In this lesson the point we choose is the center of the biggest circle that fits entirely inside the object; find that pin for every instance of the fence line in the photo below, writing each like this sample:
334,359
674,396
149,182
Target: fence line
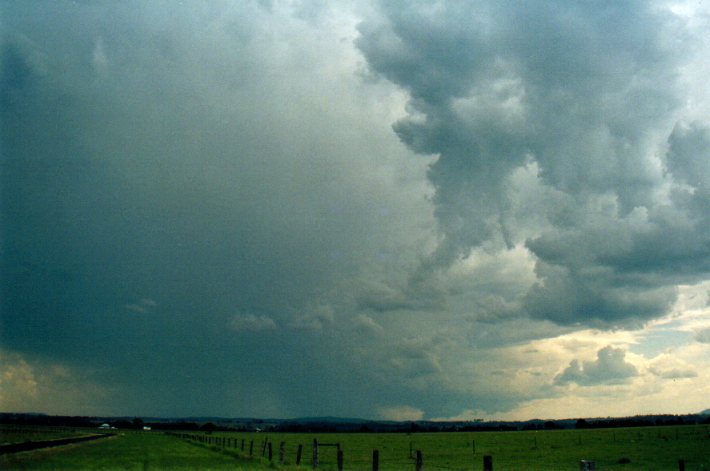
486,461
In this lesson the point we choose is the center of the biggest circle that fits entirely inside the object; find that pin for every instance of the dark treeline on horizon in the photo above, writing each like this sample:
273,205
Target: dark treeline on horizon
346,426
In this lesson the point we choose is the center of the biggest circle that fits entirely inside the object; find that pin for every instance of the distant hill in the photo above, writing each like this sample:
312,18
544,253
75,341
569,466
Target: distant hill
327,419
705,412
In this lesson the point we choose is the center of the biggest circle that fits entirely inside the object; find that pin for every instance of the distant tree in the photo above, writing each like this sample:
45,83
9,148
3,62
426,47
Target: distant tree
209,427
137,423
581,423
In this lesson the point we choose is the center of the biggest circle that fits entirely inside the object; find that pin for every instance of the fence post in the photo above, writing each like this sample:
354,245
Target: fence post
251,447
375,460
419,463
487,463
298,455
585,465
282,452
271,453
315,453
681,465
242,444
340,459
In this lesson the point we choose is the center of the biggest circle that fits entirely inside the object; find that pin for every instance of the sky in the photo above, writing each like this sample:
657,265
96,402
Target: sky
391,210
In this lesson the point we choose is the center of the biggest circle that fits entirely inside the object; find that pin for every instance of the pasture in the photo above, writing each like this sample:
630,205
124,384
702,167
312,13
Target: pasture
648,449
20,433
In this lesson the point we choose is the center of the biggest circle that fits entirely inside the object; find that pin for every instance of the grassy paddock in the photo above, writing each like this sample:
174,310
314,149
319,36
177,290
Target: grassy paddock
647,449
130,451
20,434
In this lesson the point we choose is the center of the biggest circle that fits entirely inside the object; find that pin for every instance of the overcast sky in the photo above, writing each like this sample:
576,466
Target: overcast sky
397,210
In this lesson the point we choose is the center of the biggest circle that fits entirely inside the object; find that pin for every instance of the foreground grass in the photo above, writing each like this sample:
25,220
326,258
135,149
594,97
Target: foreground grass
647,449
19,434
130,451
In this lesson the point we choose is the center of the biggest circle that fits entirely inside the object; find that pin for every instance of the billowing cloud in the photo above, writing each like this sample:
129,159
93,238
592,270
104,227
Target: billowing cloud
315,320
368,325
609,367
39,384
18,382
143,306
674,372
588,97
251,323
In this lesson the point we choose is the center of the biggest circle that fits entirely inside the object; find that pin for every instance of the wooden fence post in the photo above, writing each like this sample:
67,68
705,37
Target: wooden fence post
298,455
271,453
419,466
487,463
282,452
340,459
251,447
681,465
586,465
263,448
375,460
315,453
242,444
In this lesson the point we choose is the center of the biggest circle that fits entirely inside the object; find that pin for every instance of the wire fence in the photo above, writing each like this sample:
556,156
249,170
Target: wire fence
364,453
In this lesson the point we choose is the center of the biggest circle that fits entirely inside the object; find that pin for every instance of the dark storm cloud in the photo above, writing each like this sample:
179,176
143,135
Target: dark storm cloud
178,190
205,209
585,96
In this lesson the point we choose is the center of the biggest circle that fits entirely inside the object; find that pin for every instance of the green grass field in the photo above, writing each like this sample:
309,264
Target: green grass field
655,448
129,451
648,449
18,434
